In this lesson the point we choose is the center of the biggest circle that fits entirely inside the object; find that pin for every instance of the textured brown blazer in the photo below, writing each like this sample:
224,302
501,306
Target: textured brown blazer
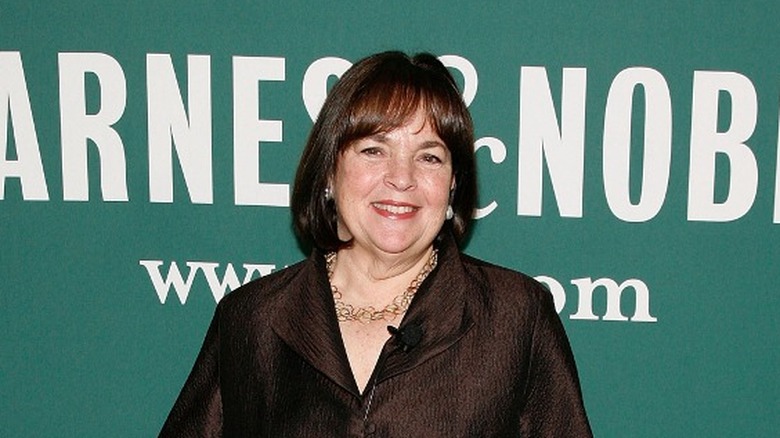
493,361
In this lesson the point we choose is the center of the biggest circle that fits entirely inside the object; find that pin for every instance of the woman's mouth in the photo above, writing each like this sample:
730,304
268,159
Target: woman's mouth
394,209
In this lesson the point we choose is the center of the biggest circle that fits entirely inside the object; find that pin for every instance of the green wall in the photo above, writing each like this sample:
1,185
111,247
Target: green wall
87,347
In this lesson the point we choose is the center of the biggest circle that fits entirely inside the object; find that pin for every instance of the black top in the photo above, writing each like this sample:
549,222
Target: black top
492,360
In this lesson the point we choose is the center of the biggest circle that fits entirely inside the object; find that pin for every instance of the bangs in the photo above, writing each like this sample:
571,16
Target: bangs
394,98
379,94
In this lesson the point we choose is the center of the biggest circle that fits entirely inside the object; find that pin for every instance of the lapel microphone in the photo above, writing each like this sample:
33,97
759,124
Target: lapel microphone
408,337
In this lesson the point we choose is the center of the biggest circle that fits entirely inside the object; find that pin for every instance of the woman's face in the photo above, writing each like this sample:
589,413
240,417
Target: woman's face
392,189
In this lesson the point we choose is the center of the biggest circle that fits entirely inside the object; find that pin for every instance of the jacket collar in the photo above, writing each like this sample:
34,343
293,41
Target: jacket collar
440,308
306,321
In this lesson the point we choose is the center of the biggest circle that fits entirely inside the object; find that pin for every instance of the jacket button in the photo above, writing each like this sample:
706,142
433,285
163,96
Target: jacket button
370,429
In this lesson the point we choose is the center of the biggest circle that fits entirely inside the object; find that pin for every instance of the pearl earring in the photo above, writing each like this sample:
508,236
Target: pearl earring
328,193
450,213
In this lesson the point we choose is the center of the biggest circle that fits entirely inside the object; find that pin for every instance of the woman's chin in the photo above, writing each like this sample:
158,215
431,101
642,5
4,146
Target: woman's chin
401,246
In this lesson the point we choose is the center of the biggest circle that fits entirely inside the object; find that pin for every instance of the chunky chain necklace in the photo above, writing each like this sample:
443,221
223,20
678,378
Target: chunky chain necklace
348,312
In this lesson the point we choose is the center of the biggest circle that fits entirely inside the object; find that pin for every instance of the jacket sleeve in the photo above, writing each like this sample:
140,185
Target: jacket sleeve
198,409
554,406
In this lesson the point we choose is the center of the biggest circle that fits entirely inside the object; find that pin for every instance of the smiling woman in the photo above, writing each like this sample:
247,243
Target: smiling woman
392,189
384,193
391,192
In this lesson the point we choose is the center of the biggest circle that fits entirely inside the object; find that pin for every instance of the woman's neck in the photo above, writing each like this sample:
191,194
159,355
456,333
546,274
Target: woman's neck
366,279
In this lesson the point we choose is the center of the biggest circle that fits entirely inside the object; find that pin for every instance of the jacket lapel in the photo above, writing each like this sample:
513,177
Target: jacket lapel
440,308
306,322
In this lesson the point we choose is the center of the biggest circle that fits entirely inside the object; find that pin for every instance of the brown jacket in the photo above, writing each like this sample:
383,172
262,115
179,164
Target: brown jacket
493,361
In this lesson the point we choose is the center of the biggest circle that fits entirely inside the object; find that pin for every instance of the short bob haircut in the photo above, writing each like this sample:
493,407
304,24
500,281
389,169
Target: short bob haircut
380,93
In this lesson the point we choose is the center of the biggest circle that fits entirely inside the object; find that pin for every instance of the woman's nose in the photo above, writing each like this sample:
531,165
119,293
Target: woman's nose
400,175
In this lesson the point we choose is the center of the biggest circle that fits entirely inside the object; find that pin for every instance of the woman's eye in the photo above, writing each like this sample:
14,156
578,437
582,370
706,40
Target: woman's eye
432,159
371,151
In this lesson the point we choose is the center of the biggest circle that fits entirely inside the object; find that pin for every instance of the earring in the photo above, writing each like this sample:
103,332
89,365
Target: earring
450,212
328,193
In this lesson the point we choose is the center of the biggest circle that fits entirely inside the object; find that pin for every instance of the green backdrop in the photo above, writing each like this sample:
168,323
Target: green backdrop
647,100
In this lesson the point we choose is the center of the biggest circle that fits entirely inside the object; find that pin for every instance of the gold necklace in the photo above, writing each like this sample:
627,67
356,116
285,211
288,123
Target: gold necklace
348,312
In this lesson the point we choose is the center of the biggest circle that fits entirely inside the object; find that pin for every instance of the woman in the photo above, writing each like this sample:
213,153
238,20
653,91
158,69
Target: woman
387,329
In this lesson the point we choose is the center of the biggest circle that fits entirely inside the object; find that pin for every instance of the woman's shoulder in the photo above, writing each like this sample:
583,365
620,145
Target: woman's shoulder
263,291
495,273
503,284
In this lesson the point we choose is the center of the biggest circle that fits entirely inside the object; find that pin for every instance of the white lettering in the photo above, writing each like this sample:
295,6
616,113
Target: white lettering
497,151
707,143
218,286
261,270
556,289
249,129
540,137
78,127
776,216
15,100
229,281
168,124
315,82
174,278
469,73
657,144
585,287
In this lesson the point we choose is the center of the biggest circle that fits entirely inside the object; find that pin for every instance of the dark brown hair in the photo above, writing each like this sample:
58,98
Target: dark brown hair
380,93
